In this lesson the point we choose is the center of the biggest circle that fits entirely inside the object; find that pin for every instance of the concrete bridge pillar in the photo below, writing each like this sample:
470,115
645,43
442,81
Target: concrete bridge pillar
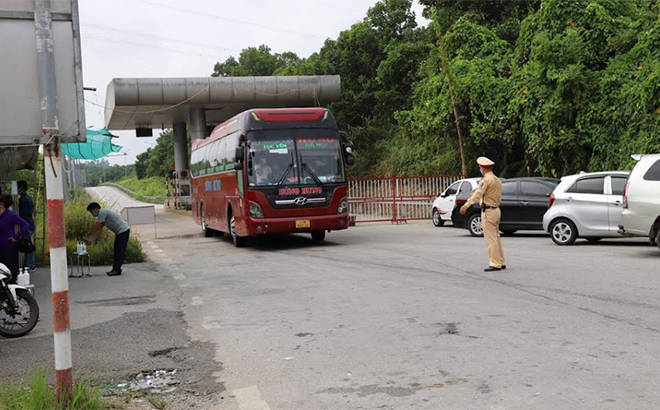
180,147
197,124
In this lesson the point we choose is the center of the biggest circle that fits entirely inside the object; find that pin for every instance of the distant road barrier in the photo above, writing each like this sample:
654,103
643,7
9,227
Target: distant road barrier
395,199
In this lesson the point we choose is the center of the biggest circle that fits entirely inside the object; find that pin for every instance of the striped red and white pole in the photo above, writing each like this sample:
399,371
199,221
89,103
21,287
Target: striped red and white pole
58,270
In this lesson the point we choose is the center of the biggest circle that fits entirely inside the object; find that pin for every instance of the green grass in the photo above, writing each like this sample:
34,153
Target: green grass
78,224
152,186
38,394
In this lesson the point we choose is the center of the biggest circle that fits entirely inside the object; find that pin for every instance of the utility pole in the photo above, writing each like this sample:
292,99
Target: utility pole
55,195
445,67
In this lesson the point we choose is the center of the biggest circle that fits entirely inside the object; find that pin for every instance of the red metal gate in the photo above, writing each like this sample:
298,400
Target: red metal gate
396,199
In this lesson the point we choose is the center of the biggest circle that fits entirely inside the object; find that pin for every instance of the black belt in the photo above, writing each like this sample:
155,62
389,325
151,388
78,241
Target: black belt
489,207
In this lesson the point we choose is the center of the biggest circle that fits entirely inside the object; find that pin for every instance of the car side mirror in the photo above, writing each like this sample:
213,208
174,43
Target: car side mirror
548,194
239,155
443,195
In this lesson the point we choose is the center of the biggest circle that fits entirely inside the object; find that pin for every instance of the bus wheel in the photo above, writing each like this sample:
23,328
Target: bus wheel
205,229
239,241
318,235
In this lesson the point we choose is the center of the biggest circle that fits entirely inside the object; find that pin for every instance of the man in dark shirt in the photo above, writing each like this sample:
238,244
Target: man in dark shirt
26,211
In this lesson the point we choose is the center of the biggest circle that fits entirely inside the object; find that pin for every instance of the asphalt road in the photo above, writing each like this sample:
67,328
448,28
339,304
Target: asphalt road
393,317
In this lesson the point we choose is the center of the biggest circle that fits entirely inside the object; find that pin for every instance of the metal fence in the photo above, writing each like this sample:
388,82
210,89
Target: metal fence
396,199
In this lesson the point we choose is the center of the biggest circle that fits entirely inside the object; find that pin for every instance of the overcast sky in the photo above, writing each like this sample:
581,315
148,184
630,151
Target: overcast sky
128,38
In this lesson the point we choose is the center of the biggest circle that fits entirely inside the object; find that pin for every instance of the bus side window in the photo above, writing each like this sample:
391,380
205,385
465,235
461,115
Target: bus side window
193,163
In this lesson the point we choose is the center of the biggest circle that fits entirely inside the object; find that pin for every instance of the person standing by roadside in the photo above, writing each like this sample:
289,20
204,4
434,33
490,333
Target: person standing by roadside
489,195
115,223
26,211
8,236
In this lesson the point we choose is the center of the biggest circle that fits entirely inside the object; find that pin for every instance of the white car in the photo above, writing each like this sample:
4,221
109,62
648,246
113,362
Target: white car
444,204
641,200
586,206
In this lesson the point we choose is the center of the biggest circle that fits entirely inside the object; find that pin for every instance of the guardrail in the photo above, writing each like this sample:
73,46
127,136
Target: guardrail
395,199
135,194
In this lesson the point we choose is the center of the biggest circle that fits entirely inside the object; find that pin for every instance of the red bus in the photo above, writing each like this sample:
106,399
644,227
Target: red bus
269,171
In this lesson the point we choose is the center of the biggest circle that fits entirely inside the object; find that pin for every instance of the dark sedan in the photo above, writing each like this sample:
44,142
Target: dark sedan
524,202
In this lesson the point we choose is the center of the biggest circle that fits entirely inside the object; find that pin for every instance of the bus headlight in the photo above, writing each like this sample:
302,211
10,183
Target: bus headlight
343,207
256,211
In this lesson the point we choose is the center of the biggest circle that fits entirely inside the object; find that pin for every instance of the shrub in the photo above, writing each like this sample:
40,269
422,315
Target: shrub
79,222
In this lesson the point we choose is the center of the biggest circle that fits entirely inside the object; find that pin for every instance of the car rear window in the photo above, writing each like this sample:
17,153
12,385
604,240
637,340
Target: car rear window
528,188
618,183
653,174
588,186
509,188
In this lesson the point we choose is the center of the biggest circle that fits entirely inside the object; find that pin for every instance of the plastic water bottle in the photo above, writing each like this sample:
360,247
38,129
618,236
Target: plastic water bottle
83,248
24,278
79,248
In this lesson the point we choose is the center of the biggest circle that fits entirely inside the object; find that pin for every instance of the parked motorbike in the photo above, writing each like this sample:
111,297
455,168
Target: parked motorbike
19,311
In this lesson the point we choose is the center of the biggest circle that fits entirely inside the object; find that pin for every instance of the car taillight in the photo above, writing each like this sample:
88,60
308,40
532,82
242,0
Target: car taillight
461,202
625,196
552,201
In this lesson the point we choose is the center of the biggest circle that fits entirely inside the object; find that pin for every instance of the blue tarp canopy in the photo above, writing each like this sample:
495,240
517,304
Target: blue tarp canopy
99,144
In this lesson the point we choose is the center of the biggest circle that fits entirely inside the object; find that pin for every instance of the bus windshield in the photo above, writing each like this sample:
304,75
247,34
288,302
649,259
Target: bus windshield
295,157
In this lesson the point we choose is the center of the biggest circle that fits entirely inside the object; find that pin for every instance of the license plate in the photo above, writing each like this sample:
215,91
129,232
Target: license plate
305,223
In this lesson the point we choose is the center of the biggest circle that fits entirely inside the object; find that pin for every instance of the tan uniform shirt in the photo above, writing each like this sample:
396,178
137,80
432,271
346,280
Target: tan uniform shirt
489,191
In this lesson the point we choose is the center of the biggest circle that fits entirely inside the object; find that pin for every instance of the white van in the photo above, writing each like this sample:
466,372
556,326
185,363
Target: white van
641,200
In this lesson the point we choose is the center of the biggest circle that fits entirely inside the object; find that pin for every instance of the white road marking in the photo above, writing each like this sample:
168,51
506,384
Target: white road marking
160,251
249,398
186,285
168,260
178,276
209,323
197,301
153,246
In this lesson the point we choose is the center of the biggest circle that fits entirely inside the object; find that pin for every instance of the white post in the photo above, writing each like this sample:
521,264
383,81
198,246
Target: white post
55,180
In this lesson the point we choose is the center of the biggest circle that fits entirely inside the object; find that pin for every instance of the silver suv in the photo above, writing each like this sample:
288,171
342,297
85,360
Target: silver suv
586,206
641,200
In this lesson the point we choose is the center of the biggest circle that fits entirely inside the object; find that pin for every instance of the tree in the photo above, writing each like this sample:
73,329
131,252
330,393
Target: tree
255,61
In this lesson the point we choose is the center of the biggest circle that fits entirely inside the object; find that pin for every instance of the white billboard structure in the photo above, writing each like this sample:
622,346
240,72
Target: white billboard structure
20,92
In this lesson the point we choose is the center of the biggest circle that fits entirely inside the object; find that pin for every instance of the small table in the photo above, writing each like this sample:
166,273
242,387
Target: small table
80,265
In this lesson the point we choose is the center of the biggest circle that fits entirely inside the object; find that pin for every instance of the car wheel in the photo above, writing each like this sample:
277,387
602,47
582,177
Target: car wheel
208,232
474,225
563,232
594,240
437,218
509,231
657,239
318,236
239,241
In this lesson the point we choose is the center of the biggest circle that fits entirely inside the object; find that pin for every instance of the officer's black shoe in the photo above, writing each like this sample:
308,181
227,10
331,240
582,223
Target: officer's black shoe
492,269
114,273
503,267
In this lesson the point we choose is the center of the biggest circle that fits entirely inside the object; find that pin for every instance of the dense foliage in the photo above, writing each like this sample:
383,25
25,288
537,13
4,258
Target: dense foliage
543,87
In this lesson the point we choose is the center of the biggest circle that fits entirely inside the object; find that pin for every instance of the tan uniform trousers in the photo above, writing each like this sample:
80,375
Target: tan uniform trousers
490,222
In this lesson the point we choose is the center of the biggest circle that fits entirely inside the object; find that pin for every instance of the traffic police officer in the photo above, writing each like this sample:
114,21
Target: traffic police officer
489,195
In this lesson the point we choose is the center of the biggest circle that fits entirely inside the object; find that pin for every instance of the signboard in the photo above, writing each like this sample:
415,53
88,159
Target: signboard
20,92
139,215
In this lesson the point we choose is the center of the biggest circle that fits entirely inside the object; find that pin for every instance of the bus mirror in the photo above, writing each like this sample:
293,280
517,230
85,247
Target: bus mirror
350,161
343,136
239,155
238,166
